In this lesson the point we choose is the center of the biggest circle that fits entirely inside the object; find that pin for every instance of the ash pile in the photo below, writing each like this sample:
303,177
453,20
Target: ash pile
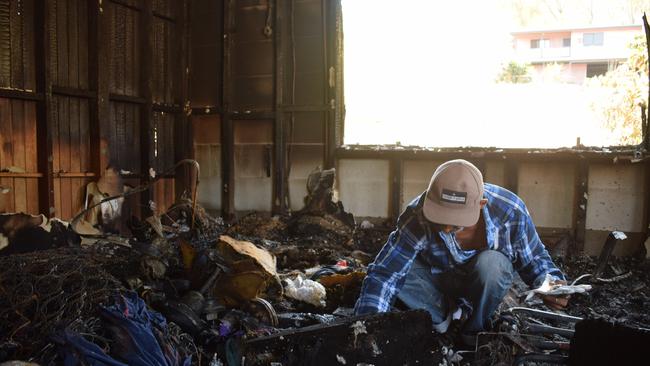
181,287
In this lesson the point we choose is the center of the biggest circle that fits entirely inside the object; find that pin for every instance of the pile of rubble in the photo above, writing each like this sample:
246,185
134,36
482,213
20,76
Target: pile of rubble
182,287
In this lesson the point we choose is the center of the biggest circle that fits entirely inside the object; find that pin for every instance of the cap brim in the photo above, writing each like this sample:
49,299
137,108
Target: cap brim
446,215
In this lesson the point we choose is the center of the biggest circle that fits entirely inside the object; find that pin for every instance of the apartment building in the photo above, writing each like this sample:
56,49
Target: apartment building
573,54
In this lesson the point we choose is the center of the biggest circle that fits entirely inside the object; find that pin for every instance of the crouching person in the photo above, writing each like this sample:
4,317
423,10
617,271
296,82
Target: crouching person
459,242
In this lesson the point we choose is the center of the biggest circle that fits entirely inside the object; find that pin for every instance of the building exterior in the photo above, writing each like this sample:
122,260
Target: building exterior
573,54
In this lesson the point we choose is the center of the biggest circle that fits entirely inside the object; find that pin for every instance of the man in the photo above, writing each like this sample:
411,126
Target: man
456,246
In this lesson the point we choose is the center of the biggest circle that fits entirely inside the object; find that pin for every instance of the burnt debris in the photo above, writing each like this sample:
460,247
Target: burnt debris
271,291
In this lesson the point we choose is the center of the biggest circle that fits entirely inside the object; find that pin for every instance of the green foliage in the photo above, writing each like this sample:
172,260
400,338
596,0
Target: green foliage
624,91
514,73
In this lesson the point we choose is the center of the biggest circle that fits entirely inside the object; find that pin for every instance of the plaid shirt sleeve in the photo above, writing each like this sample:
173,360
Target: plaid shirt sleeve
533,261
386,274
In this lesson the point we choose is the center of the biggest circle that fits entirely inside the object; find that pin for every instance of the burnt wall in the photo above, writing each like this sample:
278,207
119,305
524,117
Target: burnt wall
261,73
87,85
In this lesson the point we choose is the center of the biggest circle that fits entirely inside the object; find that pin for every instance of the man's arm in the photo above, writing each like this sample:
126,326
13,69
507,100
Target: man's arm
386,274
534,260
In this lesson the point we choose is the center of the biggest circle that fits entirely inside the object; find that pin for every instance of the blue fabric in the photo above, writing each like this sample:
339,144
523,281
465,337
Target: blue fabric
483,282
509,229
138,338
76,350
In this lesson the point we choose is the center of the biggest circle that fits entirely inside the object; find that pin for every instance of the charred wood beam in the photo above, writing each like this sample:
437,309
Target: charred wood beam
251,115
131,98
172,109
580,204
380,339
44,109
519,155
126,4
146,88
21,94
606,252
646,135
227,136
279,203
99,107
183,146
164,17
304,108
208,110
396,187
73,92
334,92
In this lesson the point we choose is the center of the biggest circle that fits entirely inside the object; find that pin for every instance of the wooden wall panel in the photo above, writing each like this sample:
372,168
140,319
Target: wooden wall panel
124,136
162,147
18,149
69,43
206,55
124,50
17,66
163,8
163,194
71,153
253,88
163,61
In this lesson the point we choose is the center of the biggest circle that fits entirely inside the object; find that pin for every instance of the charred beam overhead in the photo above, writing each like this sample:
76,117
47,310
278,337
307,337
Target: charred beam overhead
21,94
73,92
206,111
127,4
127,98
523,155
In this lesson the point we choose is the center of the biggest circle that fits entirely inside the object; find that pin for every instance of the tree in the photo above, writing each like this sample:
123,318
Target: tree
623,92
514,73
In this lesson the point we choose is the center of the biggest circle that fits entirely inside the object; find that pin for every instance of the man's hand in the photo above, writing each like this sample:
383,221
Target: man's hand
556,302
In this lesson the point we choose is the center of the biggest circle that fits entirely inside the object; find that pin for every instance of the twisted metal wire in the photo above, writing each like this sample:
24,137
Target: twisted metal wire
44,291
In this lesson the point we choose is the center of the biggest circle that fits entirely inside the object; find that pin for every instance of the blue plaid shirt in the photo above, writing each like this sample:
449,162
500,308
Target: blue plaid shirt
509,228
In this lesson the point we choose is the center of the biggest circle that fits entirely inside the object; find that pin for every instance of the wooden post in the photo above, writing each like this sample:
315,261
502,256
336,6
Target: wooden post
279,204
227,138
44,108
146,86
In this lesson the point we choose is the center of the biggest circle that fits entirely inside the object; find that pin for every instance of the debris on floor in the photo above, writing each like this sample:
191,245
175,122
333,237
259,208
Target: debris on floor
184,287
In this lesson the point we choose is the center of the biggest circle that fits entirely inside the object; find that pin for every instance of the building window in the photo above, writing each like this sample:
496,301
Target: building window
566,42
540,43
592,39
596,69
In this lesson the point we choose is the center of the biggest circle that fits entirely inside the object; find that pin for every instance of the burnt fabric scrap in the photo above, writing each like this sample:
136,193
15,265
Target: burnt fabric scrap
140,338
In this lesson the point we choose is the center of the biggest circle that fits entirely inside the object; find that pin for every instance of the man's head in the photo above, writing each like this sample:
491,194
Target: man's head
455,195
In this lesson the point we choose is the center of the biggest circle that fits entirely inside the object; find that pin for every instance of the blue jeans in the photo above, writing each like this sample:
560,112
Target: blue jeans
483,281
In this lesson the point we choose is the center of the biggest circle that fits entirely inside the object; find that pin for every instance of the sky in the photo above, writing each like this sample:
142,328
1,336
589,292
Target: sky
421,72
